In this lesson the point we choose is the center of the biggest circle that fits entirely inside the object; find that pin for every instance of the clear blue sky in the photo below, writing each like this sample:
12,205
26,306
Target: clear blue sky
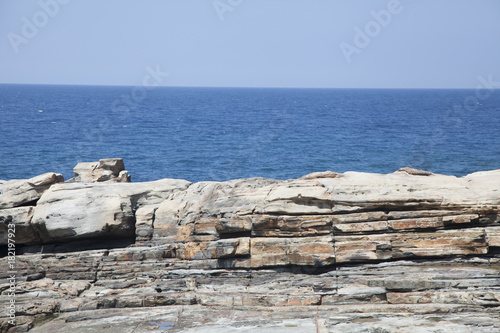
263,43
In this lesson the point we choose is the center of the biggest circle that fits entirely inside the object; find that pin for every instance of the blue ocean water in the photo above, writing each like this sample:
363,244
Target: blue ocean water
226,133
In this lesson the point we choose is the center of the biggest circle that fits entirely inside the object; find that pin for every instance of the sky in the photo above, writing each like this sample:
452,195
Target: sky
251,43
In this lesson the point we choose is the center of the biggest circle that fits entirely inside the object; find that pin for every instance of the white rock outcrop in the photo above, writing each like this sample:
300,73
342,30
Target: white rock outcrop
82,210
18,192
105,170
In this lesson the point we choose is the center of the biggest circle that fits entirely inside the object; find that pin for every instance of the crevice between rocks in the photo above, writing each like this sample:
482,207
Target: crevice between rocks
28,204
77,245
99,266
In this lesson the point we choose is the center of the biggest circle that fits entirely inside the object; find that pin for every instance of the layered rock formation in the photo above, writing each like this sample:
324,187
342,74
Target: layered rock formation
106,170
409,251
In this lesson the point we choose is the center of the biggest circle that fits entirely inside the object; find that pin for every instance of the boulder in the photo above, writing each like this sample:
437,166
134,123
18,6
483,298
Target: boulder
19,192
106,170
82,210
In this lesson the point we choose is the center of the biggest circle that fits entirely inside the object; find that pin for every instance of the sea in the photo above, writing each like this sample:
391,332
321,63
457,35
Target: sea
220,134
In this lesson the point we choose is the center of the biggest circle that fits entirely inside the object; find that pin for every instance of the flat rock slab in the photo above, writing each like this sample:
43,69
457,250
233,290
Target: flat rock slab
18,192
78,210
298,320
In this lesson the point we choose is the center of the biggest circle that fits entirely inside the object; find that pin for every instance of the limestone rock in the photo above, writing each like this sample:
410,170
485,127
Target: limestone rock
18,192
324,174
415,172
409,251
20,217
80,210
310,251
106,170
231,200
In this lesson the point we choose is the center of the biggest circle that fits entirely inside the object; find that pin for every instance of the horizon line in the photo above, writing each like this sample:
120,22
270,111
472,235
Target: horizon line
238,87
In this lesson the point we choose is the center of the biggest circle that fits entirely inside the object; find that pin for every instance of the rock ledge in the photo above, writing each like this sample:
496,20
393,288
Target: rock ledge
410,251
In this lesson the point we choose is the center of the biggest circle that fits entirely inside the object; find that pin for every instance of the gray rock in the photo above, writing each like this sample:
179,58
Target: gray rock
75,210
18,192
20,217
106,170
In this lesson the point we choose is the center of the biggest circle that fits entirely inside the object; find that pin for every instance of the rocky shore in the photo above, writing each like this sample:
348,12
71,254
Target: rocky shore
410,251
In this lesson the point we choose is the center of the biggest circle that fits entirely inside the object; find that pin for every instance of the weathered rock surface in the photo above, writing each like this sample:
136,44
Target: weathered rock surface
81,210
410,251
21,218
18,192
106,170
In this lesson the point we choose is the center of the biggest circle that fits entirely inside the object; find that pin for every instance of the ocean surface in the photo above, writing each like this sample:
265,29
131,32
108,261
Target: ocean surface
226,133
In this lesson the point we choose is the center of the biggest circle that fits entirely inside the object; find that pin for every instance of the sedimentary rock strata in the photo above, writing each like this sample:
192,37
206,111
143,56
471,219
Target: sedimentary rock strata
409,251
